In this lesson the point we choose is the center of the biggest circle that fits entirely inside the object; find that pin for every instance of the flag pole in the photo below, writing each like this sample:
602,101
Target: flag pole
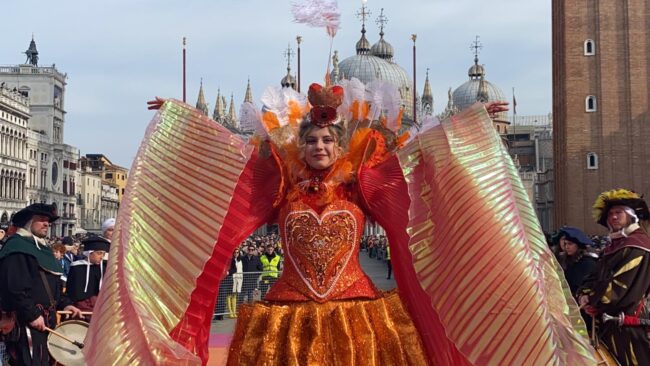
415,118
514,113
184,85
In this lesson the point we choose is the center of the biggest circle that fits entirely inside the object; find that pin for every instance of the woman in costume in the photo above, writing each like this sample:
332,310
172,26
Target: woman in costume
503,292
477,284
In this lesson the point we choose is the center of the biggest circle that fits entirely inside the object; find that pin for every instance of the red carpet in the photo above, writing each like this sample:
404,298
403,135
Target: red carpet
218,348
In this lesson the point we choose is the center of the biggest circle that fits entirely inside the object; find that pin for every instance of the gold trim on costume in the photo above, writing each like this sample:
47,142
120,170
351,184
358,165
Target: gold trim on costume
620,284
629,266
608,294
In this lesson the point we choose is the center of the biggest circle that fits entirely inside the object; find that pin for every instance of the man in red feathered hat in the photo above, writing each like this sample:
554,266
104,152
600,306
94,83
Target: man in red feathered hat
619,285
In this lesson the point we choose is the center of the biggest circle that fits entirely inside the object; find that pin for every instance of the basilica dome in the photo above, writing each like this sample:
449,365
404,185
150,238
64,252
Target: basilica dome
376,63
477,88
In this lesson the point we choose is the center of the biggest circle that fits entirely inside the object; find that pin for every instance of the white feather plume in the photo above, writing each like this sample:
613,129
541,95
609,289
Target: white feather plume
276,100
354,91
318,13
384,98
273,101
290,94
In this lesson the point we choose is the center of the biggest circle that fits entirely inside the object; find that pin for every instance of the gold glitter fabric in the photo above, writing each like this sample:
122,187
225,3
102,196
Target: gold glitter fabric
479,252
321,254
346,333
155,266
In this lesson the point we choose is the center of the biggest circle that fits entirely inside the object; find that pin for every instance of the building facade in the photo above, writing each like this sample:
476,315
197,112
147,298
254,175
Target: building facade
90,200
601,118
51,170
14,117
110,200
530,143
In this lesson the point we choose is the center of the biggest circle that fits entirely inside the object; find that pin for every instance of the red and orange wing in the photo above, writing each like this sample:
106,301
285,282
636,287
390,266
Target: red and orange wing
188,204
470,258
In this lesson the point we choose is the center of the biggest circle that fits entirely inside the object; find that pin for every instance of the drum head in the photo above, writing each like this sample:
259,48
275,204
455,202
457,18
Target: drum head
63,351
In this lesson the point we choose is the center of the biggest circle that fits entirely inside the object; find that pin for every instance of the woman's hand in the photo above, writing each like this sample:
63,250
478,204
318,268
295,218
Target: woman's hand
496,107
155,104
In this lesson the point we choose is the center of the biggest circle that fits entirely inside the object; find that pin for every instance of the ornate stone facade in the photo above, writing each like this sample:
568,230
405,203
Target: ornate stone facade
50,165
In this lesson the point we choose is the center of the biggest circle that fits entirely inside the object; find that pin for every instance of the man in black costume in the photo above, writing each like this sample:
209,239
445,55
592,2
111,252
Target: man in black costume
30,285
621,280
85,277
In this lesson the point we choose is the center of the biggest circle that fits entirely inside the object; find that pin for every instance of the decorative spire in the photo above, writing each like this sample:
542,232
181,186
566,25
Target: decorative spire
476,71
32,53
363,46
219,108
476,46
381,21
201,105
382,49
248,97
288,81
232,116
427,97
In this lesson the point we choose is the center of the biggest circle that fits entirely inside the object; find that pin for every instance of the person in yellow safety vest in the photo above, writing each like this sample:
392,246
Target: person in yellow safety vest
390,267
271,262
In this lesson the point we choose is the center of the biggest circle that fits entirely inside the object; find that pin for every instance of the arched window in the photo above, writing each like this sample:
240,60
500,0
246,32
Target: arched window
590,104
590,47
592,161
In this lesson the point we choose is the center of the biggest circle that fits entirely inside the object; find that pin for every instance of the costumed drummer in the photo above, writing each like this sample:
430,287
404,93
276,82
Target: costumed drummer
30,284
85,277
621,280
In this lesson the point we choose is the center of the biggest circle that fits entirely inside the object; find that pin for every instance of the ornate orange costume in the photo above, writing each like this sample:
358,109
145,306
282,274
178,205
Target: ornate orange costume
477,283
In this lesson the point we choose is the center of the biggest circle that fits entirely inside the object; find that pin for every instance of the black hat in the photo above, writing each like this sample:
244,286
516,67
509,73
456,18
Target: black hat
67,240
23,216
96,243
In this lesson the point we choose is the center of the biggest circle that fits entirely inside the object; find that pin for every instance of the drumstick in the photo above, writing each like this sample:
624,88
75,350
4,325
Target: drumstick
65,312
76,343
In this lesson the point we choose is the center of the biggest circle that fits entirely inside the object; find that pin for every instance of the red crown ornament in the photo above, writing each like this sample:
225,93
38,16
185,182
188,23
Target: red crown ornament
324,101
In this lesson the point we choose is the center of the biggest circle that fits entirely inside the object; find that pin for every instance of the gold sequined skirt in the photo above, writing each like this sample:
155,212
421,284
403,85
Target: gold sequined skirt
348,332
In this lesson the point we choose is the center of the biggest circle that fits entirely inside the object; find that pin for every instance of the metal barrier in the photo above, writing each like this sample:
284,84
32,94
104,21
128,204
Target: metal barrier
240,288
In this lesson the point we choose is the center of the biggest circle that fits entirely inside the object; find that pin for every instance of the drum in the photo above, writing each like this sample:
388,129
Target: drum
62,350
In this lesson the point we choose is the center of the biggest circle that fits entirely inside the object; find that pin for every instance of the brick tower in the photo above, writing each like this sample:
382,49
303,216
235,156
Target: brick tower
601,122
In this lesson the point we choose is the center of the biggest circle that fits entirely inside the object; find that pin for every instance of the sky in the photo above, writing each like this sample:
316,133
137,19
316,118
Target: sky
118,54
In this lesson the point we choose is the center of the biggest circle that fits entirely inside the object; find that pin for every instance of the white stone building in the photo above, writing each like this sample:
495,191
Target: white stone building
90,197
51,169
14,117
110,200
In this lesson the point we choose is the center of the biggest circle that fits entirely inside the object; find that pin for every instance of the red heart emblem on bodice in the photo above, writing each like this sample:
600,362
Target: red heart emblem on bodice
320,247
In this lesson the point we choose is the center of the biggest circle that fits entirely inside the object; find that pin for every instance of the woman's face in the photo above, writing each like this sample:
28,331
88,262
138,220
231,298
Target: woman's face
320,148
569,247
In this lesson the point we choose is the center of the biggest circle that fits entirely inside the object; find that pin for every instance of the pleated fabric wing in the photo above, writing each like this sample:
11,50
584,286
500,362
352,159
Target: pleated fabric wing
479,251
189,187
470,259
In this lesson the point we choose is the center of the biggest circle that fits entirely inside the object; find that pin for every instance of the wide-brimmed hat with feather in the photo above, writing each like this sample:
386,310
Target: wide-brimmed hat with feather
619,197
